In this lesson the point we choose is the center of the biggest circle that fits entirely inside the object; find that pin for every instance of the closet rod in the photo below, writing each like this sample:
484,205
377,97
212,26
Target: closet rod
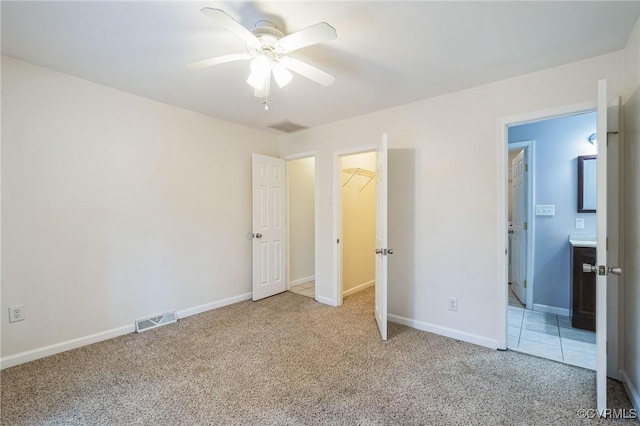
360,172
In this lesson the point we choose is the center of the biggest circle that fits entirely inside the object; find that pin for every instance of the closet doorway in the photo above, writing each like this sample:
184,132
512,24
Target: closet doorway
357,222
301,220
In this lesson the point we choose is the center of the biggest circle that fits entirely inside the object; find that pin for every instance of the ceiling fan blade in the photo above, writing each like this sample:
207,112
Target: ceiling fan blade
221,18
219,60
314,34
309,71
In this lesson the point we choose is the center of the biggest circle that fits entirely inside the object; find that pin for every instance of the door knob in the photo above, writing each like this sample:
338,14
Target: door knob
615,270
390,251
378,251
258,235
586,267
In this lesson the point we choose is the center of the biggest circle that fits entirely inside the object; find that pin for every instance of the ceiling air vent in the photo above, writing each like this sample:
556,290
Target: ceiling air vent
287,126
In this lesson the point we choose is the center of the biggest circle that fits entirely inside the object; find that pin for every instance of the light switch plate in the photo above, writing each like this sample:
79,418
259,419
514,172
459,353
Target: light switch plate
546,210
579,223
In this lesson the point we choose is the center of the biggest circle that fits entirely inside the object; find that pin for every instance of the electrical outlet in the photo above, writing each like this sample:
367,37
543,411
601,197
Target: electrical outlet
453,304
16,313
579,223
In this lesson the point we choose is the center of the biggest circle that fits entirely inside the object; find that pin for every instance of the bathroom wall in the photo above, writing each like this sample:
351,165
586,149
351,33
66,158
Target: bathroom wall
302,175
358,224
558,143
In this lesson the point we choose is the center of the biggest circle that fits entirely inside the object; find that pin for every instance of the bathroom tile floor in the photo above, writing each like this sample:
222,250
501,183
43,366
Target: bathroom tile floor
549,336
306,289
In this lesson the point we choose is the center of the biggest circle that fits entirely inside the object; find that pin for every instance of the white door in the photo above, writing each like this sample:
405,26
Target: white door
268,226
519,227
382,250
602,268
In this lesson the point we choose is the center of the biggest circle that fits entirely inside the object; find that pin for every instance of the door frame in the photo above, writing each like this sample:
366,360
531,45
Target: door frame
503,181
288,158
337,214
615,331
530,156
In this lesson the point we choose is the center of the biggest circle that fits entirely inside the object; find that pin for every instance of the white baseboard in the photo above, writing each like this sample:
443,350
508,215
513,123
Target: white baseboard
184,313
634,396
302,280
551,309
358,288
34,354
326,301
444,331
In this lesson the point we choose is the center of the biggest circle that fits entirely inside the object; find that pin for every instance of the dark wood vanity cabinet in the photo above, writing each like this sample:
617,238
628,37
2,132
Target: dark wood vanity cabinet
583,289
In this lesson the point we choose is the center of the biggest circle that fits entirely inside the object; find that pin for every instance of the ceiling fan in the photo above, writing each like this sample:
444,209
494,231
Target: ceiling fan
268,49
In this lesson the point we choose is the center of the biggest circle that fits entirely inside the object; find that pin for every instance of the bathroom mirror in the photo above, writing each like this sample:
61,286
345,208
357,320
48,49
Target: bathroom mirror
587,184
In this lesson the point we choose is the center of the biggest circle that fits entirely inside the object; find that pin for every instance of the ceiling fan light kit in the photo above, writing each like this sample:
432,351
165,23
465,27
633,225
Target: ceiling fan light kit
268,49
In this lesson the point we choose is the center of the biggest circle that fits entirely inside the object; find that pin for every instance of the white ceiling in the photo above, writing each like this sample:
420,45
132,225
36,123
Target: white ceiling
387,52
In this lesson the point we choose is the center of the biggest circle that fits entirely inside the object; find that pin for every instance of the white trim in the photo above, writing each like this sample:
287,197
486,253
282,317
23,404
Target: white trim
57,348
358,288
299,155
337,214
327,301
530,155
303,280
501,217
34,354
444,331
551,309
632,392
184,313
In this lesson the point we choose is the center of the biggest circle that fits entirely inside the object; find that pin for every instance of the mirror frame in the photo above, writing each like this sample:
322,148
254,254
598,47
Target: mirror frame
581,160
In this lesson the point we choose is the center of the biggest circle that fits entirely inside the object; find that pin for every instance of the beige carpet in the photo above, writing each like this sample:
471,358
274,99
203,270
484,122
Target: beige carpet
290,360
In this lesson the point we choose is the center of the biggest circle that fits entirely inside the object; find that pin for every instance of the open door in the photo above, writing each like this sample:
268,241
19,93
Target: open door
269,259
602,269
519,228
601,251
381,237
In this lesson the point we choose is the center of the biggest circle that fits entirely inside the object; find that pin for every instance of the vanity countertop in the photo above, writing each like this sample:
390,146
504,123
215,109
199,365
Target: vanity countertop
583,240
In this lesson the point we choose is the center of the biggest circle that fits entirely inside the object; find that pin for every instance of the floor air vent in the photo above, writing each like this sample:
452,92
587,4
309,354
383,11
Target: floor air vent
287,126
155,321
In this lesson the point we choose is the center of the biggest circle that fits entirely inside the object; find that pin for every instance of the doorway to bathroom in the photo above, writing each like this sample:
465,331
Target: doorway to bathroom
301,224
547,233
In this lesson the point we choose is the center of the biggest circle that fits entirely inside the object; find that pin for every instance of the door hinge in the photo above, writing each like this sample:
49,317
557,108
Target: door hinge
606,245
524,226
524,283
526,167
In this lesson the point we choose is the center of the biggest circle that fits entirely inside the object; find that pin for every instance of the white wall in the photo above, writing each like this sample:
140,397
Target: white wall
631,213
302,218
115,207
444,184
358,223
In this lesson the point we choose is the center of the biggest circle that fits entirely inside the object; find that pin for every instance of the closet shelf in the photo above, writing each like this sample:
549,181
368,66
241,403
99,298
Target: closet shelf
357,171
360,172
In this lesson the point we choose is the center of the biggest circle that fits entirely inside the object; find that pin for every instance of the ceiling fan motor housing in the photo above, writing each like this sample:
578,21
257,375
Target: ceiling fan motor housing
268,35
